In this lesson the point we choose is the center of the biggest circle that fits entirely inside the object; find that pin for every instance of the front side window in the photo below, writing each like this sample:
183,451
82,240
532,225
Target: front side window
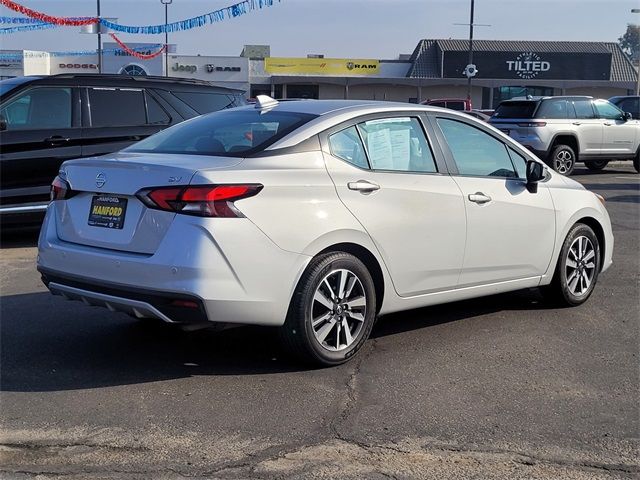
584,109
475,152
346,145
397,144
608,111
116,107
519,162
43,107
227,133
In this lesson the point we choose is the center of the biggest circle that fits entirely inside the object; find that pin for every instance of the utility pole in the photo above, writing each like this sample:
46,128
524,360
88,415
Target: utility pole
166,35
99,26
470,50
637,59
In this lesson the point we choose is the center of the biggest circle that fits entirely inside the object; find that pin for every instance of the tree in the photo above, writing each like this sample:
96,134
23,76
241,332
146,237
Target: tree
630,41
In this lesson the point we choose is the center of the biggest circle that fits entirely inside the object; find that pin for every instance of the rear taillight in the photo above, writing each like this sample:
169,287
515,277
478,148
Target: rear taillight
533,124
200,200
60,189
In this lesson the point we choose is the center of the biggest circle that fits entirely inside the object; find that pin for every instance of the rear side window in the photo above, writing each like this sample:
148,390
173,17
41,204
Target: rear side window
155,113
228,133
475,152
203,102
42,107
584,109
553,109
397,144
113,107
515,110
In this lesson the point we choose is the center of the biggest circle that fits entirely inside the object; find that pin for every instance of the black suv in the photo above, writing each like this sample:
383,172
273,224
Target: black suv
47,120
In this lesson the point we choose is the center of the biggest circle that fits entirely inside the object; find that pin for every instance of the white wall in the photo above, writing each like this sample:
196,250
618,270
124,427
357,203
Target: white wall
35,63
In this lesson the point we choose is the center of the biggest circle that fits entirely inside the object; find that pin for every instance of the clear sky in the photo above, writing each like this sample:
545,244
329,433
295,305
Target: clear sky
338,28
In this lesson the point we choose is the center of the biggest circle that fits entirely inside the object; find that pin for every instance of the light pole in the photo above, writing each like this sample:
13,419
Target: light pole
166,4
637,10
99,26
471,25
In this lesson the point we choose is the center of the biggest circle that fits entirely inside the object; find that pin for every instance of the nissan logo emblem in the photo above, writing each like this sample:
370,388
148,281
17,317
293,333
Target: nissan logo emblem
101,179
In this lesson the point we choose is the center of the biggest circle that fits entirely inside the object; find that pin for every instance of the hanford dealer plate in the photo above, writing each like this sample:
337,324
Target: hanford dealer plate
107,211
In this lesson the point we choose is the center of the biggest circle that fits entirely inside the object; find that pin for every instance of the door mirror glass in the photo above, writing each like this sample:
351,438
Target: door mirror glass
535,173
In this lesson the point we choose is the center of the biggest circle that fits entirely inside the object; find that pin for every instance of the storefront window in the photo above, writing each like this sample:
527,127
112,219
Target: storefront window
506,93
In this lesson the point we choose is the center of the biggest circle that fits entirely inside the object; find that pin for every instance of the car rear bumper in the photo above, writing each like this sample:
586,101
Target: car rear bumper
231,270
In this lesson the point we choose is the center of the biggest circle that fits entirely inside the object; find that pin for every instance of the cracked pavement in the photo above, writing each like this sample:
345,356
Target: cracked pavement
502,387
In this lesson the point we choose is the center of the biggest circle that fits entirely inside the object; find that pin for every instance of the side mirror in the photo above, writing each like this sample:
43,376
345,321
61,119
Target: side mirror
627,116
535,173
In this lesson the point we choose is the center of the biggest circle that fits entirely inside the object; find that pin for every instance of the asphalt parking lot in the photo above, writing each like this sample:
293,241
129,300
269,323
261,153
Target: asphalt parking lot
502,387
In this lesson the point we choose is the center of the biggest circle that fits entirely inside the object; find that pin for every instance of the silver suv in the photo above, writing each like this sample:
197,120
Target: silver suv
565,130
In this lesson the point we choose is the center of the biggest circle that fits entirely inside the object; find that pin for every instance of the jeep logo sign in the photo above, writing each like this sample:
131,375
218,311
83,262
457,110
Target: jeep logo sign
184,68
528,65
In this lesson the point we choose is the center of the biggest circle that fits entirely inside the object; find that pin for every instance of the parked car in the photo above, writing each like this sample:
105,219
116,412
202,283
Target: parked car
47,120
565,130
459,104
630,104
327,215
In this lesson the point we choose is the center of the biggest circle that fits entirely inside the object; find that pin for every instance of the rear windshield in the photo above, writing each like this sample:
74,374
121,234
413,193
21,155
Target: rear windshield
232,133
206,102
515,110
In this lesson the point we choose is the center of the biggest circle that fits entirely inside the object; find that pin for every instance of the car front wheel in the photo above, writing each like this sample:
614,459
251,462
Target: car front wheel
577,269
596,165
332,311
563,159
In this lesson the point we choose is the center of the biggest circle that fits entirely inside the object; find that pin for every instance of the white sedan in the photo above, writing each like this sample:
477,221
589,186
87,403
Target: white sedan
316,217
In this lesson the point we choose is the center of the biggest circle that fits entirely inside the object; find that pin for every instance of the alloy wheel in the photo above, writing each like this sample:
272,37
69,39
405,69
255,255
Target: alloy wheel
563,161
338,310
580,266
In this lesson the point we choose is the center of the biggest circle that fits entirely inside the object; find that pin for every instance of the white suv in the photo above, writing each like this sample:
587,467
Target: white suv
565,130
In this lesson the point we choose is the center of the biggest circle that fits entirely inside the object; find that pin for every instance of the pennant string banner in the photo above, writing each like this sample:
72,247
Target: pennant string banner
133,53
45,21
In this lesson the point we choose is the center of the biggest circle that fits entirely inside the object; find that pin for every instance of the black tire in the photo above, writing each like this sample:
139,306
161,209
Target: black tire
298,335
636,162
562,159
596,165
559,291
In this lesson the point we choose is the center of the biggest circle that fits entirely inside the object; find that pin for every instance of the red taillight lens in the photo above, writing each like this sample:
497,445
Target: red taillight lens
200,200
60,189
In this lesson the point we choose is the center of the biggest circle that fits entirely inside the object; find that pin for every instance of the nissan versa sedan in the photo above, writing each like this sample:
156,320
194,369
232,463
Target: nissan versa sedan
316,217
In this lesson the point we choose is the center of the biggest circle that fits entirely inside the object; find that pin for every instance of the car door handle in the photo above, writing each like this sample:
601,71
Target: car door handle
577,123
479,198
608,124
363,186
57,139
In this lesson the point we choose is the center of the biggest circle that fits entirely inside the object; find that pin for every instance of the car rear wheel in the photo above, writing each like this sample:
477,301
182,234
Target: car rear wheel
577,269
596,165
332,311
563,159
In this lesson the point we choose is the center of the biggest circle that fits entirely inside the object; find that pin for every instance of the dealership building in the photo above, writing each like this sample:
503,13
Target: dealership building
434,70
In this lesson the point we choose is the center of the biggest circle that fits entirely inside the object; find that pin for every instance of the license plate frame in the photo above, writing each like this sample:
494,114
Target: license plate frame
107,211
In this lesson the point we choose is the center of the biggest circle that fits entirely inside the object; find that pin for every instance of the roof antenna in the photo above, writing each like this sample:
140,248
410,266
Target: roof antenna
265,101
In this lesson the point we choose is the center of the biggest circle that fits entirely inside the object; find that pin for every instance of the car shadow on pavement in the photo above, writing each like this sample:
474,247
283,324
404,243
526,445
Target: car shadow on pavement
27,237
529,299
49,344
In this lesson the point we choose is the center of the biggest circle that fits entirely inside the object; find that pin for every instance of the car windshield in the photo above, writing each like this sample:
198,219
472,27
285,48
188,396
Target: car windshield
231,133
515,110
11,83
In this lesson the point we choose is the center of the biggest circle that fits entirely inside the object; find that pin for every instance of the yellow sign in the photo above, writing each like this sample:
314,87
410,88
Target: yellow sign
321,66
